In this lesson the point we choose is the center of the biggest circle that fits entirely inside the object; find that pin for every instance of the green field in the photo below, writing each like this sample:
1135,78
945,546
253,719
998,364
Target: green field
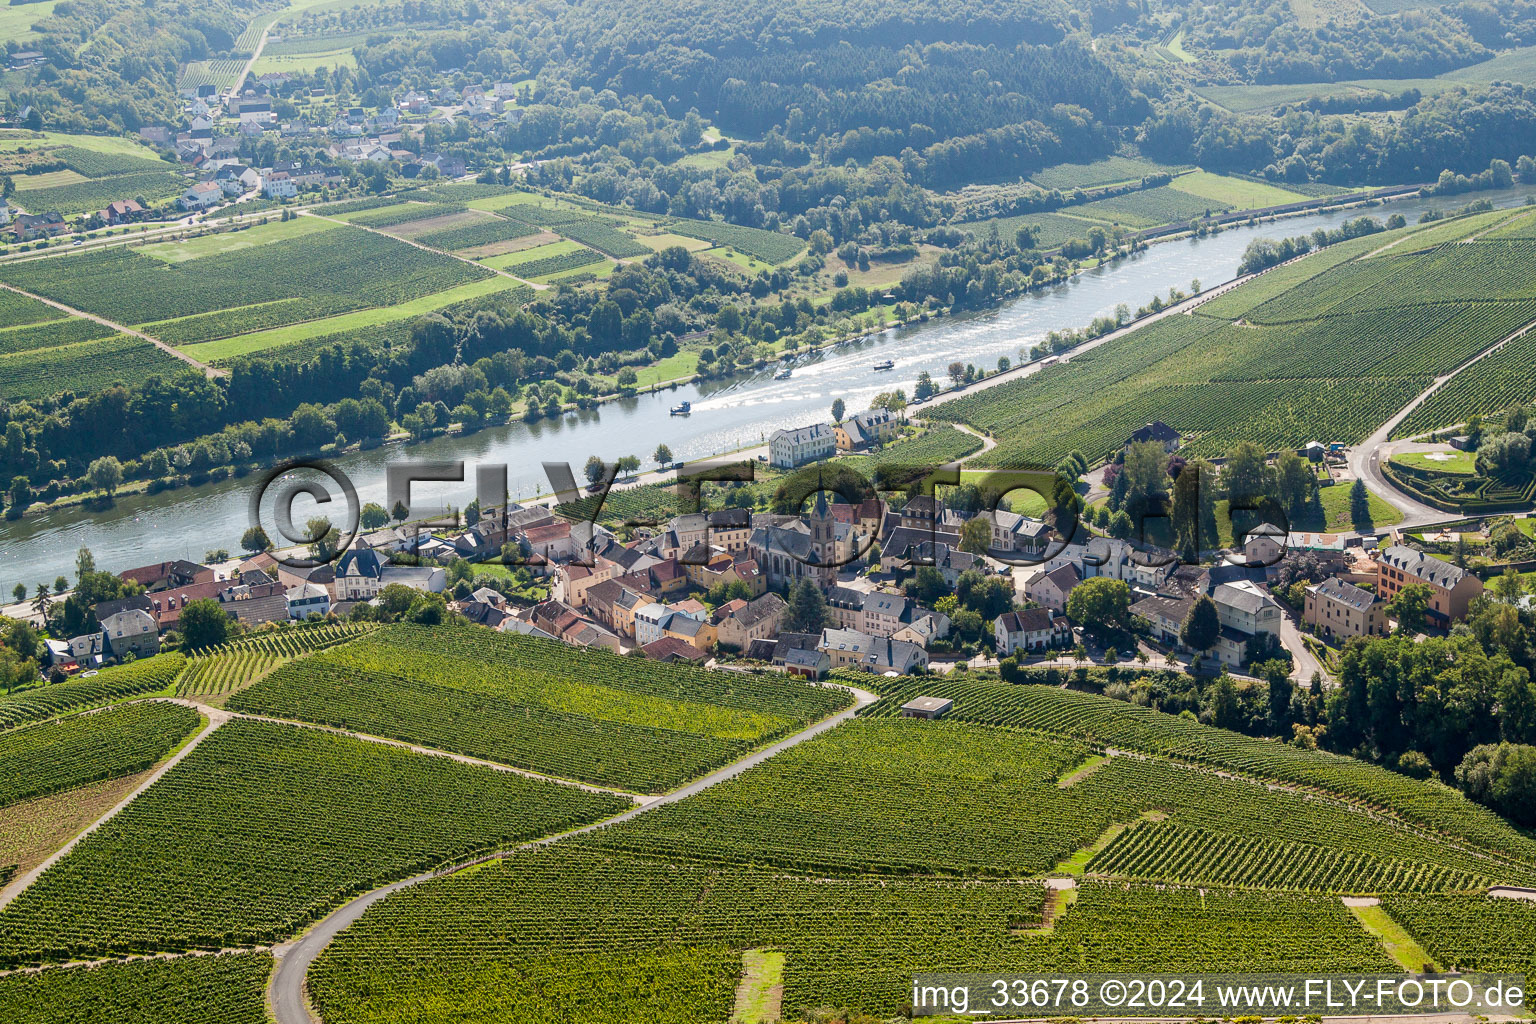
1238,193
264,827
54,757
769,246
181,250
1112,170
1329,356
1460,463
228,989
16,21
534,704
303,63
148,675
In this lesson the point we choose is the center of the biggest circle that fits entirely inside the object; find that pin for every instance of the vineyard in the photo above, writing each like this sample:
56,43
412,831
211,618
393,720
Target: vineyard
1102,721
237,664
1151,208
16,310
1500,381
1471,933
403,213
768,246
83,367
891,797
226,989
1165,852
1334,348
504,942
488,231
263,828
601,233
88,196
57,756
536,704
148,675
218,73
559,263
51,334
648,503
339,269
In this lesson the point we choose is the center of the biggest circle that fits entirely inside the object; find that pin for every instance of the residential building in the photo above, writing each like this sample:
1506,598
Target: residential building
1247,608
278,185
122,211
865,429
168,575
306,600
1158,432
1030,630
1051,588
359,575
132,631
426,578
757,619
849,648
1451,587
201,196
1339,610
790,448
27,226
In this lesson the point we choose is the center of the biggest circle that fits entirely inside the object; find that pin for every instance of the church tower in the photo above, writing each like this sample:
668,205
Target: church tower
824,538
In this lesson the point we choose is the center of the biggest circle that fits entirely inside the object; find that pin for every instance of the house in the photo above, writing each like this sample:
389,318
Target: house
1013,534
1338,610
359,575
614,605
1031,629
306,600
1051,589
168,575
1247,608
865,429
926,707
1451,588
122,211
236,179
1157,432
790,448
200,196
755,620
427,578
1165,613
131,631
27,226
849,648
671,649
278,185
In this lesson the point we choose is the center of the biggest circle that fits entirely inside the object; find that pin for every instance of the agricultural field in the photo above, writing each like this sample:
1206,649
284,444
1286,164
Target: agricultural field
1327,355
220,74
647,503
225,989
488,230
264,827
31,831
542,262
891,798
1470,933
56,756
1151,208
288,280
147,675
1103,721
183,249
82,368
94,174
1238,193
241,662
771,247
536,704
402,213
1112,170
16,21
605,234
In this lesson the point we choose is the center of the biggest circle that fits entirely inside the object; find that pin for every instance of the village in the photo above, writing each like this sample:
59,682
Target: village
896,584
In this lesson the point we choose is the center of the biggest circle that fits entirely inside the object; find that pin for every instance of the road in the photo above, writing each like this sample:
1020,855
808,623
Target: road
285,994
1365,459
1303,662
245,72
215,718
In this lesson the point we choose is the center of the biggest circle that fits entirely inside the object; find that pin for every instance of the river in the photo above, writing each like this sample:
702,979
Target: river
727,414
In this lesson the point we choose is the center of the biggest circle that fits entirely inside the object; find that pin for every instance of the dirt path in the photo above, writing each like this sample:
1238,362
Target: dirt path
286,993
215,719
428,248
234,90
208,371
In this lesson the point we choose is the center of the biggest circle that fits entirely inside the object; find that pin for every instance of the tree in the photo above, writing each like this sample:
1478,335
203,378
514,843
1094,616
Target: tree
21,636
85,563
925,388
1508,588
837,410
400,513
203,623
976,535
19,592
663,455
1194,510
14,670
20,496
926,585
1201,625
43,601
1360,505
1226,705
105,474
594,469
1411,607
957,372
1101,602
322,537
1502,776
373,516
628,464
255,539
807,610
